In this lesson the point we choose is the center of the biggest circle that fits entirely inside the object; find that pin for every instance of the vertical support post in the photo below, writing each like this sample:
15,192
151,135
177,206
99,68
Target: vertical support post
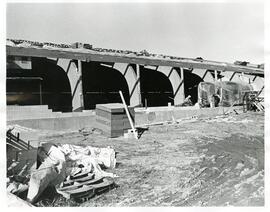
40,92
221,96
212,104
215,75
139,83
182,81
242,76
182,75
80,86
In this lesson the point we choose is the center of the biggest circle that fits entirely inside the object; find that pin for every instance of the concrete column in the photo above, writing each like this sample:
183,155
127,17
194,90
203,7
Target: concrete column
177,82
138,80
216,75
132,80
258,85
80,85
74,74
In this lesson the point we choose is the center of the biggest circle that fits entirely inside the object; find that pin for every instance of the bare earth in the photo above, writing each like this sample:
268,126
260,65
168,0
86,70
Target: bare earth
200,162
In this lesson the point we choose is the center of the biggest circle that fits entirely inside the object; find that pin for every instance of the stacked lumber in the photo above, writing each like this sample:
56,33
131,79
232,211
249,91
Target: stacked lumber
83,186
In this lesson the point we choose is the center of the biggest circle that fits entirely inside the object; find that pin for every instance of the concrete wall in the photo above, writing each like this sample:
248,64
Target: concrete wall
156,115
59,123
76,121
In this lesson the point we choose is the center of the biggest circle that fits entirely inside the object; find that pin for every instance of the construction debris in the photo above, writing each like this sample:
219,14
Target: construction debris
252,102
56,163
187,102
83,186
62,166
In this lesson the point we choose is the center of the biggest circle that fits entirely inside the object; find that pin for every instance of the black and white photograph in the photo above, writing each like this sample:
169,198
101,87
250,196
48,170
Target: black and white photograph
134,104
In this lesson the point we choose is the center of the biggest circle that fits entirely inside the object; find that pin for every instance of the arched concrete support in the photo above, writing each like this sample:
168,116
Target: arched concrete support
133,82
258,84
177,82
237,77
228,75
204,74
75,79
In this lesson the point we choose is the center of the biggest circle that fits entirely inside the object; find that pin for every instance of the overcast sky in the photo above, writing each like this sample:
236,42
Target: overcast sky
214,31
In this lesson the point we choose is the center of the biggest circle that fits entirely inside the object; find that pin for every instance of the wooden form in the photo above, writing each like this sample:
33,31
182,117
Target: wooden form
112,119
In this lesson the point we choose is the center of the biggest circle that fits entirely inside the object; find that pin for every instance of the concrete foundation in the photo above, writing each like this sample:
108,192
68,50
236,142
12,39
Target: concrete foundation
79,120
60,123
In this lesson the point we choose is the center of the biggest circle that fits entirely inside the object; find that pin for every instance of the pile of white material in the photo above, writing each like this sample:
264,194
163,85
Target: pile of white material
59,162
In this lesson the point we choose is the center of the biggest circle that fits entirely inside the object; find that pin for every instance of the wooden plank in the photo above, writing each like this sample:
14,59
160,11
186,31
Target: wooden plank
80,175
86,190
88,55
83,179
78,185
16,144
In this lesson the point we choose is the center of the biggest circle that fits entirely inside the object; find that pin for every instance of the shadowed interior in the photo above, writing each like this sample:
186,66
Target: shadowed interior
156,88
52,89
101,85
191,82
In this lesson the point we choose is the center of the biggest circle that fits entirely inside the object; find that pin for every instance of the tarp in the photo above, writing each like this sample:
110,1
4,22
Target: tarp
222,93
56,162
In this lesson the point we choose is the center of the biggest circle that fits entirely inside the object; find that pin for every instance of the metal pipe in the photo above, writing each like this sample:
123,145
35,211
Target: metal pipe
40,93
129,118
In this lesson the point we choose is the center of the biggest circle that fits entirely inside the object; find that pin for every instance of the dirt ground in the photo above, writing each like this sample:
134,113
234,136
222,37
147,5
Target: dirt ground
199,162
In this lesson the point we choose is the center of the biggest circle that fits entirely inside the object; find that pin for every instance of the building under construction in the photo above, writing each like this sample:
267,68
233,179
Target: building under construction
77,77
